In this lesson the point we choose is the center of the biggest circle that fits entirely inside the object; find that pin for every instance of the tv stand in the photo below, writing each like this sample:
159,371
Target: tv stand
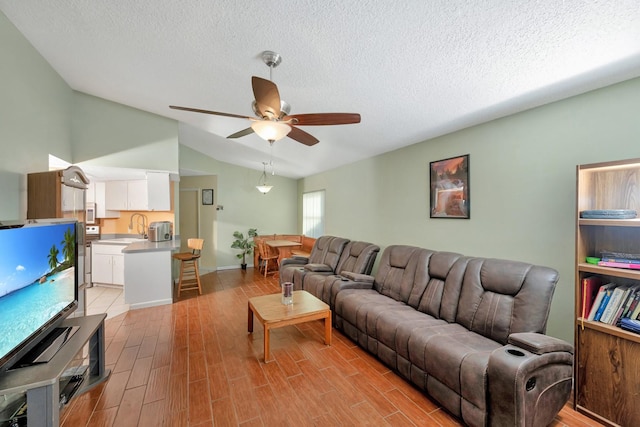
69,372
44,351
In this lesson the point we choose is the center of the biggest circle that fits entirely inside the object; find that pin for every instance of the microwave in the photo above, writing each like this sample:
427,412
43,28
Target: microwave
90,213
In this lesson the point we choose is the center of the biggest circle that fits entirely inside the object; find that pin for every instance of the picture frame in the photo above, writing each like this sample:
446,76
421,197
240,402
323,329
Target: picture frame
207,196
449,188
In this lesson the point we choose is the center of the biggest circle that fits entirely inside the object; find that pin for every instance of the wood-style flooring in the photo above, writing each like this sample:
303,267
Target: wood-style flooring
192,363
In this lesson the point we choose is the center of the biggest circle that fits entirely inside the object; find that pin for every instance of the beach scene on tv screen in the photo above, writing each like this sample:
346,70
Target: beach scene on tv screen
37,279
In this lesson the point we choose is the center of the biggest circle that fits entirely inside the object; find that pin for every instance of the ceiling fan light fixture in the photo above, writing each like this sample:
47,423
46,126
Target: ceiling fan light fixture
270,130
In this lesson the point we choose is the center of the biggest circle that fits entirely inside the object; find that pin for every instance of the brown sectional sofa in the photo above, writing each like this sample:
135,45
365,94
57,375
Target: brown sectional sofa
330,255
468,331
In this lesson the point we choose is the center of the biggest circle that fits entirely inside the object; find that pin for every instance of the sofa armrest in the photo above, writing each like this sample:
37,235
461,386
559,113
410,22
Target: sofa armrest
295,260
342,282
525,385
539,343
319,268
357,277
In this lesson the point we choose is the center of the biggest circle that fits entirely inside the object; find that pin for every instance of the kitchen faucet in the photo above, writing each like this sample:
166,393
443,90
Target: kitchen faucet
138,223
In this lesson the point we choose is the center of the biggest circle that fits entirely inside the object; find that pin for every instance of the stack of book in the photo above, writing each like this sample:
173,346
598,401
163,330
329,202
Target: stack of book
608,302
620,260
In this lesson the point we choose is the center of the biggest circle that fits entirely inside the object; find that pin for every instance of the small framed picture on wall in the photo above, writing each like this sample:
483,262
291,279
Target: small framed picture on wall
207,196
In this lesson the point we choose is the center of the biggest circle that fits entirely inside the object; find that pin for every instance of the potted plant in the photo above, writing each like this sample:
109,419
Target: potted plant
244,244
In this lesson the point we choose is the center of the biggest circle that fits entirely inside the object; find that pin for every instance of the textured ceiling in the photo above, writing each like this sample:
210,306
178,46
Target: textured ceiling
413,70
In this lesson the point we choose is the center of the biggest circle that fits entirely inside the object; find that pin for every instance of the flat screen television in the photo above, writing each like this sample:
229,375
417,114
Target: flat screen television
38,289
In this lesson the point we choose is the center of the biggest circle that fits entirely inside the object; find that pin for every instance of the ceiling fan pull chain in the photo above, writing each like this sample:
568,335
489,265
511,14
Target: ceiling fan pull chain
273,171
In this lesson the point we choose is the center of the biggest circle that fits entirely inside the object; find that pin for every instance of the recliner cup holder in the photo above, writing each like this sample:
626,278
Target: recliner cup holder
515,352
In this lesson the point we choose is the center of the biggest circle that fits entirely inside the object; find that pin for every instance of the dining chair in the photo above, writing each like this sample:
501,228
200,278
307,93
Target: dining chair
189,274
260,253
269,255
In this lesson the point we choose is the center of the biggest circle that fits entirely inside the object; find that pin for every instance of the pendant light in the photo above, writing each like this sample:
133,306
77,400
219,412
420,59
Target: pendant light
263,186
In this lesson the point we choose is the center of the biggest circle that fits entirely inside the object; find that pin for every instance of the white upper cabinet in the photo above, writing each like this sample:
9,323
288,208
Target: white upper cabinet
158,191
101,202
90,194
150,194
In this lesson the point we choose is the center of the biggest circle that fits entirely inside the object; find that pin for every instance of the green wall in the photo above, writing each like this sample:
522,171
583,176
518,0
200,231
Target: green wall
35,113
244,207
522,182
106,133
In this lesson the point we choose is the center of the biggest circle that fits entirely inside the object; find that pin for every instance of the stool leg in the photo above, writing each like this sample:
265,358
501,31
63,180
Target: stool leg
180,279
195,265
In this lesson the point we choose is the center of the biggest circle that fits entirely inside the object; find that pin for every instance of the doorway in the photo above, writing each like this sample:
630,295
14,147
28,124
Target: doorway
189,217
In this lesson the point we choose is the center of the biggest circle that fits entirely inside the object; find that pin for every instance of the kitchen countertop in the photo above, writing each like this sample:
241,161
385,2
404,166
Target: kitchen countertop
141,245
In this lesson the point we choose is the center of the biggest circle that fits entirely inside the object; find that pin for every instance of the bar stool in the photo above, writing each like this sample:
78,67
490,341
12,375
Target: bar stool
189,274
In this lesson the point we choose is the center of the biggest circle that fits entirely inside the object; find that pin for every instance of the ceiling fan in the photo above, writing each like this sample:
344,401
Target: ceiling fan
273,121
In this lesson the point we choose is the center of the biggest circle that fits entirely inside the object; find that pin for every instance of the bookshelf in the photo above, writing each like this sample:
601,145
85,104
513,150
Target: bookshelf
607,359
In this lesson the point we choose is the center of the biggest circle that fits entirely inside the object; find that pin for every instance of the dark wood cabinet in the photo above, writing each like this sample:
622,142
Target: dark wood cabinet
56,194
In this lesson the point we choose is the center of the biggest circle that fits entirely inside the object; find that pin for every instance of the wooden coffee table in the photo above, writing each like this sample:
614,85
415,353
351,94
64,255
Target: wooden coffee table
272,314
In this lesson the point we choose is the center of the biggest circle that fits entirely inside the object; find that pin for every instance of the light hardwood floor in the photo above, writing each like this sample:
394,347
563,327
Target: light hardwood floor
192,363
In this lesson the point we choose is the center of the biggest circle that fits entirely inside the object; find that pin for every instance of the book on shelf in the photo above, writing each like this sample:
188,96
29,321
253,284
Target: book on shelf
619,255
636,311
626,307
595,307
608,291
590,287
634,303
619,265
620,260
630,325
624,302
612,305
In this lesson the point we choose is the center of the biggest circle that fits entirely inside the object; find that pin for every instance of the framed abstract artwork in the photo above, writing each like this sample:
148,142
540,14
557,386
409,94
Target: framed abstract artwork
449,188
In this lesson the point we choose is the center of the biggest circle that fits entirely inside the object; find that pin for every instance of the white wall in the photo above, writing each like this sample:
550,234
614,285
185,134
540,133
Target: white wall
522,182
244,206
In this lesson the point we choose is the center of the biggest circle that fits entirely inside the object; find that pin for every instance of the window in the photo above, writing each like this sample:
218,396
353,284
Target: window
313,213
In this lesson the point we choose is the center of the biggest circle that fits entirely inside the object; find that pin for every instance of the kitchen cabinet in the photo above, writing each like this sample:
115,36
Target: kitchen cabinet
101,204
150,194
90,194
56,194
107,264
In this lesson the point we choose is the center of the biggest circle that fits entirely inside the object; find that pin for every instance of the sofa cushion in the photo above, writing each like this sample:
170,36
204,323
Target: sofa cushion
394,327
403,273
446,270
324,257
361,307
357,257
501,297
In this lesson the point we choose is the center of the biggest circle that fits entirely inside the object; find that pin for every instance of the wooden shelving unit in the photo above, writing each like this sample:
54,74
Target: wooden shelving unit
607,362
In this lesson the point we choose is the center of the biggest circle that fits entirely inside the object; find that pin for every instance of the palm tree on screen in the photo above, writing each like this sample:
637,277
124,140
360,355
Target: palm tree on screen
53,257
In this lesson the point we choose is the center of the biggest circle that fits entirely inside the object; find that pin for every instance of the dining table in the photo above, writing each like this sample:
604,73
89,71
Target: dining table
283,246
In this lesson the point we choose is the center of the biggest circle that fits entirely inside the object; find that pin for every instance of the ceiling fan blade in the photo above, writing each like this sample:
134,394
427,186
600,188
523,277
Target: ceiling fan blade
216,113
243,132
267,97
320,119
302,136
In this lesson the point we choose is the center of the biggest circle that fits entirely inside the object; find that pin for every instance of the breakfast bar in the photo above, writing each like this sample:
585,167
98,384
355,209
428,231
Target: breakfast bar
148,272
